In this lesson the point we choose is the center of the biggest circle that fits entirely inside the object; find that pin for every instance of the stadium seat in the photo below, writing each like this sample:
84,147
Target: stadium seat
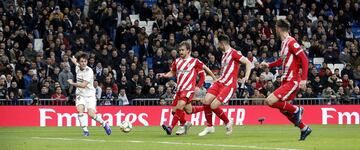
133,18
331,67
339,66
142,24
150,23
318,60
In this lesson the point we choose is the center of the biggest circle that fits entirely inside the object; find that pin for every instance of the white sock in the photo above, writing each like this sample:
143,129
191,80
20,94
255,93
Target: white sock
297,109
99,120
82,120
303,129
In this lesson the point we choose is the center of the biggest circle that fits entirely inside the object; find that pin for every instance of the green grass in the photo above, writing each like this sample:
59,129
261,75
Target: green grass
244,137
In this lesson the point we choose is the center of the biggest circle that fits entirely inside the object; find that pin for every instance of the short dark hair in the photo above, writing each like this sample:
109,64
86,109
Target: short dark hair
224,38
82,55
283,24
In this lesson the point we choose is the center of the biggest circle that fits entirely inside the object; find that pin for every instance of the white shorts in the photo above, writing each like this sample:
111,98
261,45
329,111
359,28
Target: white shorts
87,101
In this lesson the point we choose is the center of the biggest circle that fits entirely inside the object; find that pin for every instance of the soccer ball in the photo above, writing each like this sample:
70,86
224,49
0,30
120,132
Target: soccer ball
126,126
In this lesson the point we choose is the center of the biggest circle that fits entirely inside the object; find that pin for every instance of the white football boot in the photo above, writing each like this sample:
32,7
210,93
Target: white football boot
207,130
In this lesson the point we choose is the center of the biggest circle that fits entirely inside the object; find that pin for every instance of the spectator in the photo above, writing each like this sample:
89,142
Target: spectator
123,100
268,76
45,94
347,70
152,93
160,63
356,75
356,93
109,82
3,89
98,90
169,94
330,96
63,77
259,96
58,97
342,96
108,96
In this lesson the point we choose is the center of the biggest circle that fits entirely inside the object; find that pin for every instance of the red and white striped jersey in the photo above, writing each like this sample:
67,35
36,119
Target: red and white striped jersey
186,72
230,63
290,49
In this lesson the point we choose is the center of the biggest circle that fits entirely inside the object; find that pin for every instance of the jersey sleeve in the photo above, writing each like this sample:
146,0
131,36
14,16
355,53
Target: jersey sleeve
236,55
199,65
77,68
295,48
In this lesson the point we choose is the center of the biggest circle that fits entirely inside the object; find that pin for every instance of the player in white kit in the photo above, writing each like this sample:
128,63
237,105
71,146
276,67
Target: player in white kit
85,93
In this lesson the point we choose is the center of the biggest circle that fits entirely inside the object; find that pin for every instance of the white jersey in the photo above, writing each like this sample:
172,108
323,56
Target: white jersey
85,75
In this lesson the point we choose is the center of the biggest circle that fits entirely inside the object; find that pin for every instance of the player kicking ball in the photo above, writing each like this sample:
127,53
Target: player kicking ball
291,57
221,91
85,93
186,69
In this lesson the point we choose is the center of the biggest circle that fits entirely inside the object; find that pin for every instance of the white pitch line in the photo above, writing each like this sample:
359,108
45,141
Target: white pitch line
169,143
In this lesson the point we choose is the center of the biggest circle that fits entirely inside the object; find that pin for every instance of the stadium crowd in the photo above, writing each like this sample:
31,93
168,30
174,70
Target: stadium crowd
126,58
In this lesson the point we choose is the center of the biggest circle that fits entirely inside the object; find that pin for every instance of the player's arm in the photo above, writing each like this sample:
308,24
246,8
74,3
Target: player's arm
74,61
82,84
247,63
169,74
272,64
209,72
296,49
239,57
201,79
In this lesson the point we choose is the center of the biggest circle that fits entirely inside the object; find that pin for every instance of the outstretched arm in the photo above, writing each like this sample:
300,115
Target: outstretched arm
82,84
247,63
275,63
167,75
209,72
74,61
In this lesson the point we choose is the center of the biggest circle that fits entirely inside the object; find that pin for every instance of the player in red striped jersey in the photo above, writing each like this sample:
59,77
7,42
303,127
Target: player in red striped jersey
292,56
186,69
222,90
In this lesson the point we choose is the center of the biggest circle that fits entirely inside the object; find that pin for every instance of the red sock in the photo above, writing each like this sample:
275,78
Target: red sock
220,113
290,117
182,119
178,115
208,115
174,121
196,109
284,106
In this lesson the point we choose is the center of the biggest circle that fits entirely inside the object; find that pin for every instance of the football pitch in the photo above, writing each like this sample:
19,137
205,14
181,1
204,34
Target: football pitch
260,137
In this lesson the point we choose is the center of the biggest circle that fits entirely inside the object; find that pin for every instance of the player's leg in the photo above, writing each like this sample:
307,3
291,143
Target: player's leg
91,107
304,129
278,97
209,97
189,109
179,114
82,118
80,107
223,97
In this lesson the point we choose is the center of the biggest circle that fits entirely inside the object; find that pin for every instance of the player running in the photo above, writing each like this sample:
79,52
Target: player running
186,69
85,93
291,57
222,90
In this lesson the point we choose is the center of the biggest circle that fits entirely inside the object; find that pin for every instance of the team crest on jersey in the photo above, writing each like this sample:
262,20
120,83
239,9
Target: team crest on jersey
279,96
296,45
